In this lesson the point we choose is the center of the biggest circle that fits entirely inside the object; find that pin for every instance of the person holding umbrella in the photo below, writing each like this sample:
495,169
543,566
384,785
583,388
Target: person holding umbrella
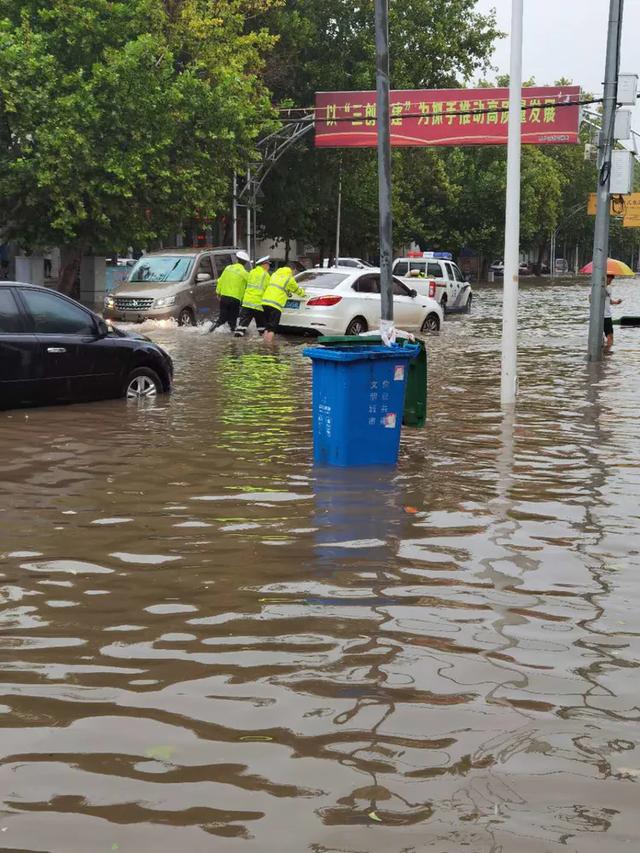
615,269
608,317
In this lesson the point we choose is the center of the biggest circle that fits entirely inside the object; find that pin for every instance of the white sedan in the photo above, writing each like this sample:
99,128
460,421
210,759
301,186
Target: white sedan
344,301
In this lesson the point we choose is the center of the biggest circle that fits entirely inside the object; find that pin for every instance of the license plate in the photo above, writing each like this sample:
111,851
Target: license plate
292,303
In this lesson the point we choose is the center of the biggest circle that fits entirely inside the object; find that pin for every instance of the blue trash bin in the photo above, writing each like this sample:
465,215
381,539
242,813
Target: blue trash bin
358,400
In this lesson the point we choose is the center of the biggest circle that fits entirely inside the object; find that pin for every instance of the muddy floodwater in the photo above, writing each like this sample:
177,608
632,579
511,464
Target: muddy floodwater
210,645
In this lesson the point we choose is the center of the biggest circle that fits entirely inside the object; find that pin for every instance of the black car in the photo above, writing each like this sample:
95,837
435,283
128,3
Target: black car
53,350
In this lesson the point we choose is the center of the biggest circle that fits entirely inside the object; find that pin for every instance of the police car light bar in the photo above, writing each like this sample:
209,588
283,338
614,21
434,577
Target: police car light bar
440,256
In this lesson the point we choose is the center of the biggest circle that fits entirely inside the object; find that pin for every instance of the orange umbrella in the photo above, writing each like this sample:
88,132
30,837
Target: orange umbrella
614,267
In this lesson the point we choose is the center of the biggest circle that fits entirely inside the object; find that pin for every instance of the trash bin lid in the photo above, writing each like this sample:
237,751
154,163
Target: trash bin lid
362,353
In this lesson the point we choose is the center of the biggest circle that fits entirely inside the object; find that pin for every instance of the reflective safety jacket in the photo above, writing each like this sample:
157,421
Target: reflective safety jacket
280,288
258,280
232,282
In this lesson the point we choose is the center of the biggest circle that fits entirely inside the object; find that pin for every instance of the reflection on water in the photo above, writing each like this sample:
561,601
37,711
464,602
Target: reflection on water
209,644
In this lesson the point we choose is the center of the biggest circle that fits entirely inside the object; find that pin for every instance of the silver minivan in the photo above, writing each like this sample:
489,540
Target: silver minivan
178,284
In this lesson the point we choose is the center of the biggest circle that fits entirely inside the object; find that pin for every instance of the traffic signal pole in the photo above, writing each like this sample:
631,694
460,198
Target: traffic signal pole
384,161
605,148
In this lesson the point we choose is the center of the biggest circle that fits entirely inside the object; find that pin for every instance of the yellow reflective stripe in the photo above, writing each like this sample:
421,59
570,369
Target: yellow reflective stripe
272,304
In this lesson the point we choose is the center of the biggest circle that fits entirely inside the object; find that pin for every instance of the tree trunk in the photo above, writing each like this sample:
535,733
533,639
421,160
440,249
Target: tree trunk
68,277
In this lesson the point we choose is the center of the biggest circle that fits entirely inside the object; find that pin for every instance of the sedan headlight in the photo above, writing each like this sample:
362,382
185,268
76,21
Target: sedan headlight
109,301
165,302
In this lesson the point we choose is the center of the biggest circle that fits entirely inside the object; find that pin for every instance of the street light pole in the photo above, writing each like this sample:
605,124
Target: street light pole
384,162
509,378
605,148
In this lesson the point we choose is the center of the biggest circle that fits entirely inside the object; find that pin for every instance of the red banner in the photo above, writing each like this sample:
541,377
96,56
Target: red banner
550,115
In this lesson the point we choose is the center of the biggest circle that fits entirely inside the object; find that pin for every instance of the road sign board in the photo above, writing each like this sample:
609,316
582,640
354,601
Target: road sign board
627,206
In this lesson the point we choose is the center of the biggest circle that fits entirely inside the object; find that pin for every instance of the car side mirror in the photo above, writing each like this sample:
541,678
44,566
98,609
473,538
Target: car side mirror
203,276
413,293
103,329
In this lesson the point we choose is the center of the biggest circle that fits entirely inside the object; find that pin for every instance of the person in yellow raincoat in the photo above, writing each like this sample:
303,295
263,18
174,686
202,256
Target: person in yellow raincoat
252,303
280,288
230,290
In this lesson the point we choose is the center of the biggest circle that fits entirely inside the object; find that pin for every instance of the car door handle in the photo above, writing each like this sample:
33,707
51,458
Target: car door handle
54,350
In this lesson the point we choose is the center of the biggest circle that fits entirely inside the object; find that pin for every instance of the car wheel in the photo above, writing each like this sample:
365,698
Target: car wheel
467,307
357,326
431,323
142,384
186,318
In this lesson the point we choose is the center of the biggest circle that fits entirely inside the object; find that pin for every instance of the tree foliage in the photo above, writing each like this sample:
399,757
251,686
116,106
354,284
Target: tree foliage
327,45
119,119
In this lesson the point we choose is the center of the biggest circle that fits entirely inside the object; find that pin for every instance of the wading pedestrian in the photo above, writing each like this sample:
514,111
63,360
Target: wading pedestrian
608,317
280,288
257,282
230,289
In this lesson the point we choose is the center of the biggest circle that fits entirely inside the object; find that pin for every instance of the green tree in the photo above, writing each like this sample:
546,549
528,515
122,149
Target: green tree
121,119
330,45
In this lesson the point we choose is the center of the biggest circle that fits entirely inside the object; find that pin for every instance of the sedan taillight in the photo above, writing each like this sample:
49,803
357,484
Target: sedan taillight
432,289
324,300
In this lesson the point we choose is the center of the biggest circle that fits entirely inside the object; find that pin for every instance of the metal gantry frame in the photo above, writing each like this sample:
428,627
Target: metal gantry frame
271,148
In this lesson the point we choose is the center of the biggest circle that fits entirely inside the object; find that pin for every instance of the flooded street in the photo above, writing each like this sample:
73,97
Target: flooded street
210,645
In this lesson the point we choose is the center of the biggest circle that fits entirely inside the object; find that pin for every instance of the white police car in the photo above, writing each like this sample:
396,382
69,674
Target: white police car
453,292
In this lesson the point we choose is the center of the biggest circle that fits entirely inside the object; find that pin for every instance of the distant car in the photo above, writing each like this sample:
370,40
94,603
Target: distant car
296,266
53,350
124,262
497,267
453,291
356,263
178,284
344,301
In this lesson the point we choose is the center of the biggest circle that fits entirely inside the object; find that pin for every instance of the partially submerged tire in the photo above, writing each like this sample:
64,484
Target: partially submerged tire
142,384
357,326
431,323
186,318
467,307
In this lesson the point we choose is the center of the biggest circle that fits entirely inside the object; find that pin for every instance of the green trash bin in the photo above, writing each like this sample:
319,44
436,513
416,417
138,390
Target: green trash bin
415,404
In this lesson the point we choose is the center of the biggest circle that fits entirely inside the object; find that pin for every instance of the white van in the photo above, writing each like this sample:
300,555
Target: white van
453,292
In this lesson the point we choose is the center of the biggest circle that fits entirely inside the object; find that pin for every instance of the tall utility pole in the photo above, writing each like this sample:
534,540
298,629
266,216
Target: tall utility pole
339,216
234,214
384,158
249,218
509,378
605,147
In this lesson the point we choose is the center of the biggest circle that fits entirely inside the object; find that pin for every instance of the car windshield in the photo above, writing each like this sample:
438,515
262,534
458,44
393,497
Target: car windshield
161,268
325,280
